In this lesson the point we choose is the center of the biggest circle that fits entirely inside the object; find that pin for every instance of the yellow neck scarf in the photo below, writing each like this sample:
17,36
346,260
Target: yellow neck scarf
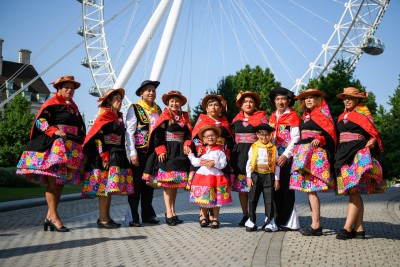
270,150
151,110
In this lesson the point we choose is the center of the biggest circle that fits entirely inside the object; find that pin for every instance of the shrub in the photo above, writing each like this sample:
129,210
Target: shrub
8,178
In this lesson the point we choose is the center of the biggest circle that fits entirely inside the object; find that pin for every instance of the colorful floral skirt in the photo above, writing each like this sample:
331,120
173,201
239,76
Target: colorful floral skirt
364,174
240,184
115,181
64,161
310,169
210,190
166,179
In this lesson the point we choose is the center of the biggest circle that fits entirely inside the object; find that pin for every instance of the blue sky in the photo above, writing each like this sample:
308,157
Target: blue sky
205,47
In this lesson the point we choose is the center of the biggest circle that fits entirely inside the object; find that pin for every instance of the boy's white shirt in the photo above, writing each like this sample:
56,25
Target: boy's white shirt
262,158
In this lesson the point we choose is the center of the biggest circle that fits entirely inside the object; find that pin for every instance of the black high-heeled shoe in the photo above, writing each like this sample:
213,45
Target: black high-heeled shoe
170,221
47,223
176,219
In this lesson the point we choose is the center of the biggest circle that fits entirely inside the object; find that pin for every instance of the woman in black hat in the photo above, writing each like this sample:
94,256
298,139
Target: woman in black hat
54,152
107,170
140,120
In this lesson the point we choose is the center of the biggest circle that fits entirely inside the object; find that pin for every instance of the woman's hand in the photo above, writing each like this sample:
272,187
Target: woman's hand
315,143
187,150
135,160
282,160
371,143
60,133
106,164
249,182
162,157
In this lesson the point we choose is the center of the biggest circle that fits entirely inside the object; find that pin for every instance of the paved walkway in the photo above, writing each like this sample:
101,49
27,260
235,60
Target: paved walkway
24,243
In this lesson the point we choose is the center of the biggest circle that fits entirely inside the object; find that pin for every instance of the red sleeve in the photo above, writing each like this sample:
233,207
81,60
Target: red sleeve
161,149
51,130
228,153
187,143
105,156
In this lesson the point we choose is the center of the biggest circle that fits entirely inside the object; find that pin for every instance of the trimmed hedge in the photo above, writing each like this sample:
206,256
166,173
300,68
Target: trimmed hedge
8,178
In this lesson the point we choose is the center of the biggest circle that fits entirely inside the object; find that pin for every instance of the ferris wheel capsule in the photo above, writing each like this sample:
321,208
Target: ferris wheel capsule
372,45
88,32
94,91
87,2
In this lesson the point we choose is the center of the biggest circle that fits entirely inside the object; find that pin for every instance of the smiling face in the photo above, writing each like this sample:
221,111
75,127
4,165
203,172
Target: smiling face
264,136
350,102
248,105
210,137
214,108
281,103
115,101
311,102
174,104
67,90
148,94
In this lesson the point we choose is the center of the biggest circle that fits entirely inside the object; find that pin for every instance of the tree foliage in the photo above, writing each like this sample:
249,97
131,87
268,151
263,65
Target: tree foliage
388,124
15,124
247,79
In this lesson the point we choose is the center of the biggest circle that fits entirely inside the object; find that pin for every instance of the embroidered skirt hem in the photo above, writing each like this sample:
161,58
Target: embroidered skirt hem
364,174
240,184
310,169
115,181
64,160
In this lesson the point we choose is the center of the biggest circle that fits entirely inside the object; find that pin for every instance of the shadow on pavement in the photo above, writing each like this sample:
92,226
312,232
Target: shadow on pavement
12,252
332,226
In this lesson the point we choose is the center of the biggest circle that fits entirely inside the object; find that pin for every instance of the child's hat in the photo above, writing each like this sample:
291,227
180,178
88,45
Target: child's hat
264,126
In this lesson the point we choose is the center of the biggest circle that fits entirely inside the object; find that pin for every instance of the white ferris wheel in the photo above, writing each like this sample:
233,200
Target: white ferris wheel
350,37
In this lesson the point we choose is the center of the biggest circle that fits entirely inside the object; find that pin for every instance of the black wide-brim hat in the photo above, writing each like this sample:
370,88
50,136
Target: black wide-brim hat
147,82
264,126
282,91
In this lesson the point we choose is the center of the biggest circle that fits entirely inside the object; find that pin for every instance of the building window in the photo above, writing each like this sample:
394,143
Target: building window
27,95
9,85
10,92
41,98
23,84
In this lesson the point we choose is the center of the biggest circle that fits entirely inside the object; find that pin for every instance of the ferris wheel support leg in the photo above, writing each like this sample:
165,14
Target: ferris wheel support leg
166,40
141,44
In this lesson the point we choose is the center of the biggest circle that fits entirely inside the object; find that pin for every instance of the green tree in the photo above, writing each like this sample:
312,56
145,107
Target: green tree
247,79
388,125
198,109
15,124
257,80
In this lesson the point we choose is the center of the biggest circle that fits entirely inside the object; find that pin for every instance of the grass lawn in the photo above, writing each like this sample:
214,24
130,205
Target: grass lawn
17,193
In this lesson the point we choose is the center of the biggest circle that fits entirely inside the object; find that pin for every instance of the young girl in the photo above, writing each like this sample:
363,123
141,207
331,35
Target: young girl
209,187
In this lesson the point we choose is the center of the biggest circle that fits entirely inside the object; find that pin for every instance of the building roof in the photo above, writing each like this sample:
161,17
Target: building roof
10,68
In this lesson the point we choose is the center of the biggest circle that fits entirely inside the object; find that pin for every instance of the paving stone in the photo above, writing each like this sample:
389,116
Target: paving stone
24,243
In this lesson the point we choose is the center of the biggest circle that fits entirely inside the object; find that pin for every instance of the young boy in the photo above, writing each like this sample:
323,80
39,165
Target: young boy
262,174
210,188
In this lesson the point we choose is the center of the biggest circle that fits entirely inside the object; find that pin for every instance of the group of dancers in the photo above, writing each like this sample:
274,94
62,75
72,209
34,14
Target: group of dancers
151,148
